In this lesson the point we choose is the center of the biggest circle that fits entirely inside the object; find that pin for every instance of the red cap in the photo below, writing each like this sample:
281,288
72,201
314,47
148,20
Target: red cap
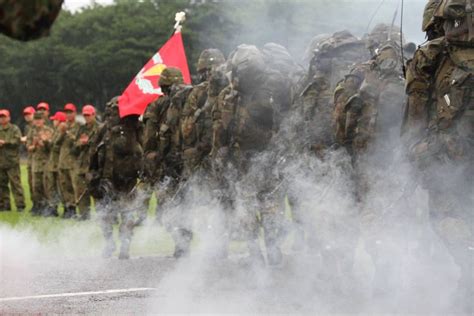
43,106
4,113
29,110
70,107
58,116
88,110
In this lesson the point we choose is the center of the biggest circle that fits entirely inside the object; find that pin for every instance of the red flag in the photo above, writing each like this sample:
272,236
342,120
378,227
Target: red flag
144,88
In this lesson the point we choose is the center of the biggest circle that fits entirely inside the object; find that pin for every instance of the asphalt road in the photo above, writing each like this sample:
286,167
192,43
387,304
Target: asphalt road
153,285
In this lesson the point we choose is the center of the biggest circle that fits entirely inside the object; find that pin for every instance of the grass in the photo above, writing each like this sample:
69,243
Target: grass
51,232
66,235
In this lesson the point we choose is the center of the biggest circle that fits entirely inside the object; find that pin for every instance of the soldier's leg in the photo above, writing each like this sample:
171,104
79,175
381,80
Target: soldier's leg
82,196
108,218
16,187
272,222
4,191
452,220
51,190
67,193
127,224
38,194
30,183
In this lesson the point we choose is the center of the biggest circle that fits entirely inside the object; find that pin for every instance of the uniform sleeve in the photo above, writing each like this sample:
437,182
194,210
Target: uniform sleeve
15,137
419,86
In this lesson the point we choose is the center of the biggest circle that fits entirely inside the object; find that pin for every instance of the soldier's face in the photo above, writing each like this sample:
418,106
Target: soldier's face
56,123
44,112
4,120
71,116
38,122
89,118
28,117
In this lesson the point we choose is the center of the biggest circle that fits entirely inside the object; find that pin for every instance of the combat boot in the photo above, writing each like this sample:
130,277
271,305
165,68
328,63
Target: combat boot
183,243
274,256
299,241
109,248
69,212
124,250
255,252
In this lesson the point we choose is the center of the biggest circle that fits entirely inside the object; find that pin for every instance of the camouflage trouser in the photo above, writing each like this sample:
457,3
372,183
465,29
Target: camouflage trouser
30,180
258,204
451,200
82,196
11,176
112,212
51,184
39,191
66,187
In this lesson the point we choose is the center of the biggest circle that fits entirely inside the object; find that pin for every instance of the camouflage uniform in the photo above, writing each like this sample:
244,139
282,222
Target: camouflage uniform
28,19
82,155
66,164
332,60
196,120
51,177
176,220
369,126
115,165
40,155
246,120
10,167
439,130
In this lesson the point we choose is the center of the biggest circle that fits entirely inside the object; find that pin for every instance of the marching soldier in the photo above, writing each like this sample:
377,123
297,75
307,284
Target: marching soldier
115,166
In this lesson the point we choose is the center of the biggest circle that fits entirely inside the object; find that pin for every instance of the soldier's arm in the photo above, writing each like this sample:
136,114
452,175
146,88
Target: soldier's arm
419,86
14,139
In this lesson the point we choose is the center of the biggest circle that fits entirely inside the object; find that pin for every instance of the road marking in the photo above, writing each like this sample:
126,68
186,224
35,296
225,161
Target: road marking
35,297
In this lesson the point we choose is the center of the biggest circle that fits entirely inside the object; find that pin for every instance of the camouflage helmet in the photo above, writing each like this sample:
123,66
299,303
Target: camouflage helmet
28,19
280,59
429,14
380,34
171,76
247,59
209,58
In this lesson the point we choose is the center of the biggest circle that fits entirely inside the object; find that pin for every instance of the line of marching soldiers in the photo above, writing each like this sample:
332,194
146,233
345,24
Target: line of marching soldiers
234,133
57,160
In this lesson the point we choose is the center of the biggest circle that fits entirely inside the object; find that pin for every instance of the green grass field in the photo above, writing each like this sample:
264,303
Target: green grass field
65,235
148,240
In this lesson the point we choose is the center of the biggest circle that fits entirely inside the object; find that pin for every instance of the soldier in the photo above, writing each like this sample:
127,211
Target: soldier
28,113
196,121
169,157
10,141
439,130
37,145
66,139
153,118
81,151
51,179
369,126
28,19
115,165
246,113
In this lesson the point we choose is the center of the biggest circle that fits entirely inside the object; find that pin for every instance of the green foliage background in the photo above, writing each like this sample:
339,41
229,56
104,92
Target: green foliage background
92,55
